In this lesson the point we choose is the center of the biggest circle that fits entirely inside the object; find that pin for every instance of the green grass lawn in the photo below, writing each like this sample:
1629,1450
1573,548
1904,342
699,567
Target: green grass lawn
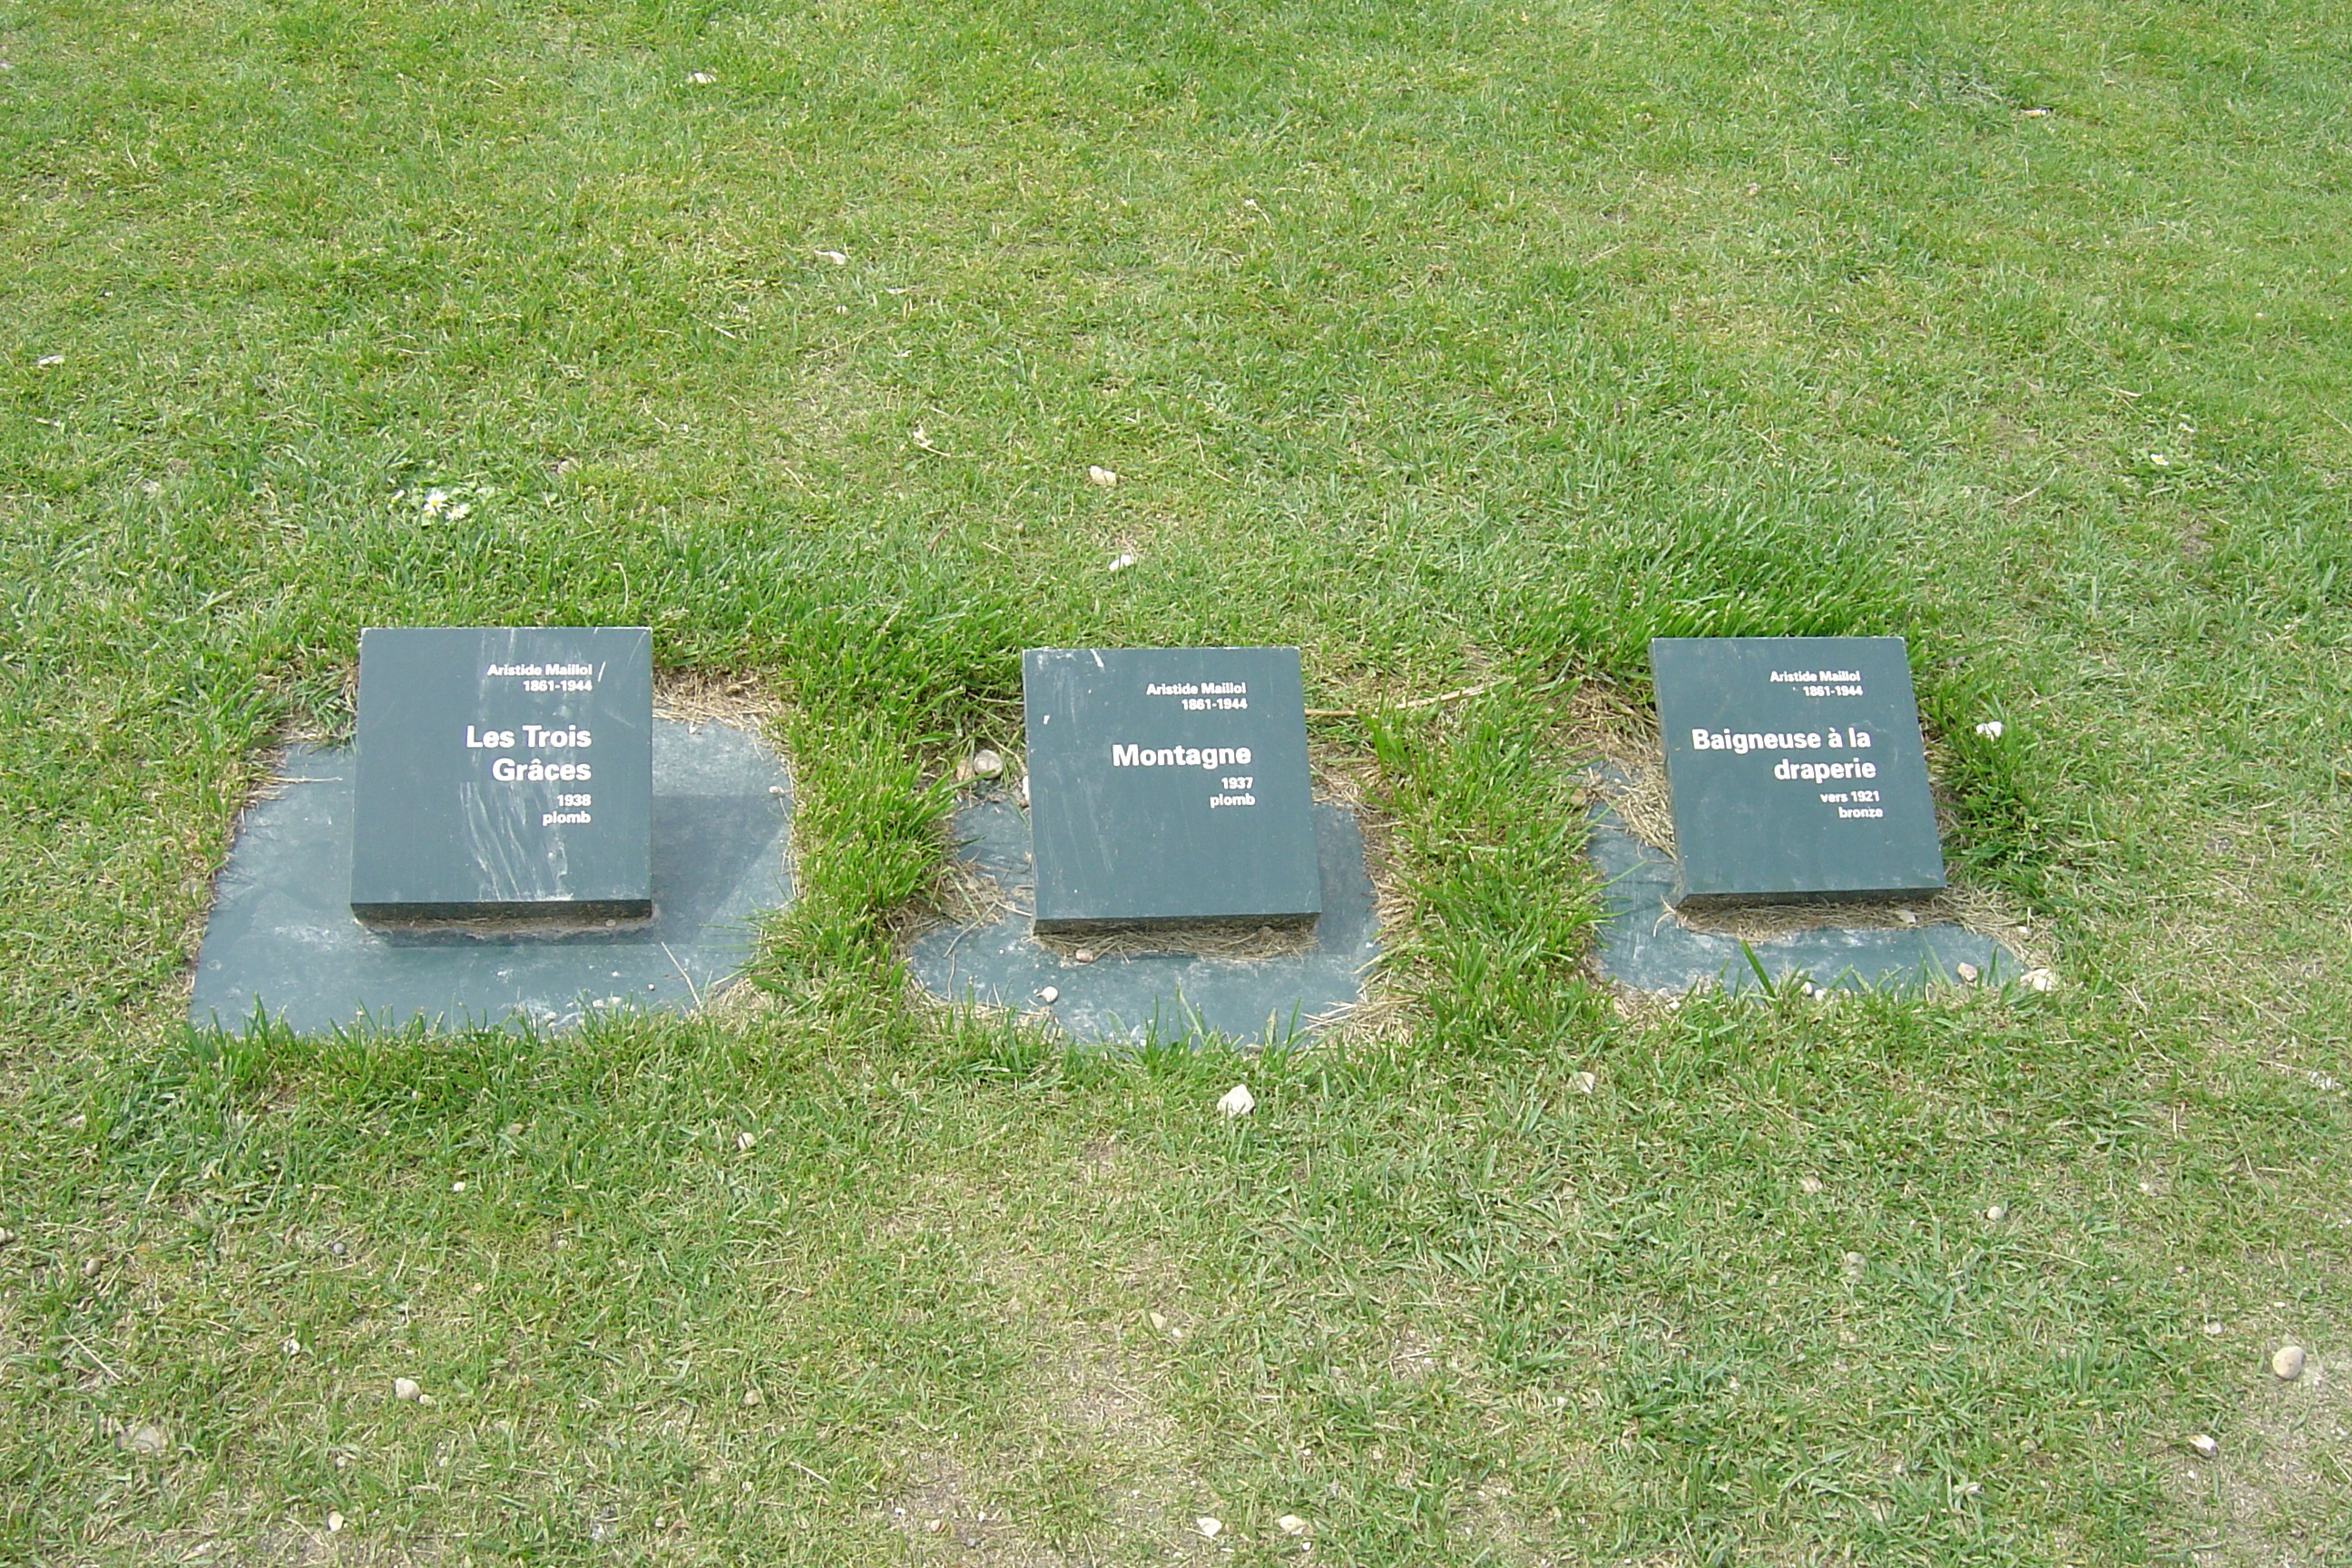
1459,344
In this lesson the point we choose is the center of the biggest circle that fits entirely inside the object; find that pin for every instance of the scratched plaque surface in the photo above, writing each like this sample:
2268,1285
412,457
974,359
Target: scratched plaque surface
504,773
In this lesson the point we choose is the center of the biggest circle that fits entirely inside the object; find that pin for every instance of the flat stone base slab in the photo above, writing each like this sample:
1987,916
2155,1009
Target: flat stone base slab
1645,947
1131,998
282,942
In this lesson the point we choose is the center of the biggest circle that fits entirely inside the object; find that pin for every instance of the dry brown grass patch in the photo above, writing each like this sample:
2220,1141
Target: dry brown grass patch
695,696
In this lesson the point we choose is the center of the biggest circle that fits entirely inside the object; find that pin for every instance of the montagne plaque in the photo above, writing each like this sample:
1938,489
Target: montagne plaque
1169,785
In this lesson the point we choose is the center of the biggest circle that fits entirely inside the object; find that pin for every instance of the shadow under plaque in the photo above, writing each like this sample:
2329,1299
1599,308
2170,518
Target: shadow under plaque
282,940
1150,996
1645,947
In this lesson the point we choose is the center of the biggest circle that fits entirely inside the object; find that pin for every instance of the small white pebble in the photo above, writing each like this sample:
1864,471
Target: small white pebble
1050,994
986,764
1967,971
1997,1214
2041,980
744,1140
1990,729
2287,1364
1097,474
753,1397
1852,1260
457,1187
406,1390
1584,1082
1808,1185
2204,1445
1211,1527
334,1524
2214,1331
1291,1524
1238,1100
1122,561
1906,917
1084,955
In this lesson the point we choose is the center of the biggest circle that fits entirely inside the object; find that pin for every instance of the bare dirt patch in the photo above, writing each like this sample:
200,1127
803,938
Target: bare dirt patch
293,1546
1102,1383
942,1514
2279,1492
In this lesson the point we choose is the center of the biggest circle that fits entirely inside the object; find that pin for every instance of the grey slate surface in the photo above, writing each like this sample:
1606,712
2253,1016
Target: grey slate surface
1748,821
1168,996
1643,945
281,939
1127,830
471,745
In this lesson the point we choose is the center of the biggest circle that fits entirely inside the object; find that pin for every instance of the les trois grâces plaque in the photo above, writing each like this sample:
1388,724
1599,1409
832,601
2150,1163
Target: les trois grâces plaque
1796,768
504,774
1169,785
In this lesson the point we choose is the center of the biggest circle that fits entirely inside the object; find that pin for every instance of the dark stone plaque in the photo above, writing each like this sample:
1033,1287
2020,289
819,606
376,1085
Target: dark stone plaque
1169,785
504,774
1796,768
